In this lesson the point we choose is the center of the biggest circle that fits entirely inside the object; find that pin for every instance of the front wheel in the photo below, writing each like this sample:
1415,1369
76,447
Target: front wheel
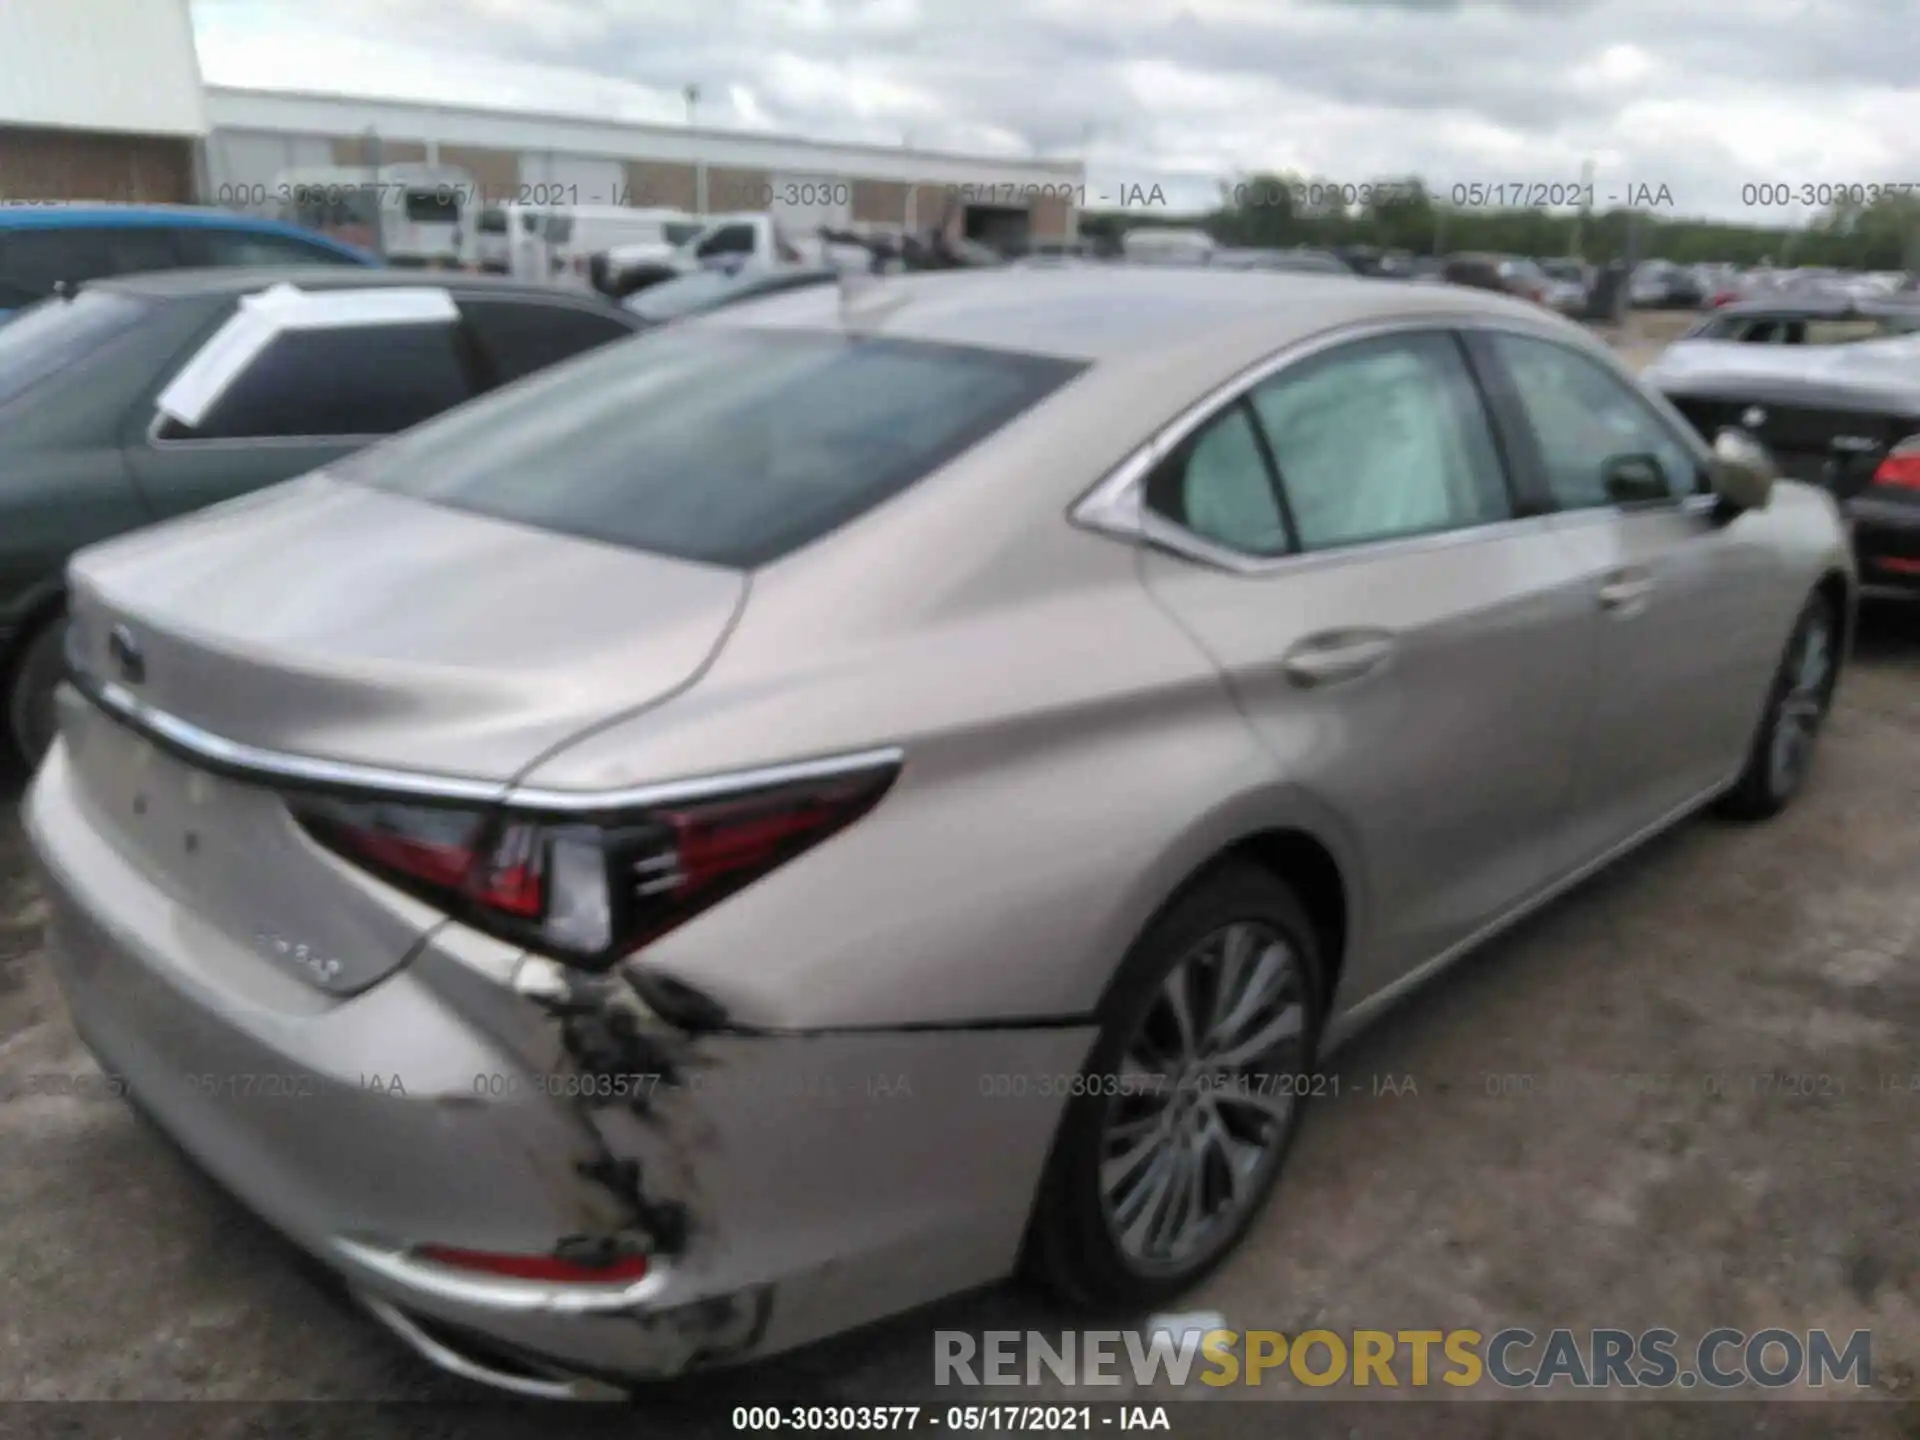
36,674
1797,704
1193,1096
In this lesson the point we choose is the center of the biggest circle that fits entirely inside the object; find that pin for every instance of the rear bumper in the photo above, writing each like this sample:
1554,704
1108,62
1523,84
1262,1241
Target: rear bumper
1886,542
787,1186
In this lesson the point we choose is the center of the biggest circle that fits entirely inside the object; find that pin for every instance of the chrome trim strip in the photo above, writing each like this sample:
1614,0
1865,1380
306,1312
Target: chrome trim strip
498,1292
1115,506
251,760
258,763
705,787
156,441
454,1363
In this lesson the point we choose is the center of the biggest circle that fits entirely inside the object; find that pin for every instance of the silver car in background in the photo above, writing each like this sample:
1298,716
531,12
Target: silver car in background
812,809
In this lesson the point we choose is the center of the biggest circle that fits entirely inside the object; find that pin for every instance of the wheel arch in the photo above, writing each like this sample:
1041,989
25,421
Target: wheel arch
1308,863
1841,591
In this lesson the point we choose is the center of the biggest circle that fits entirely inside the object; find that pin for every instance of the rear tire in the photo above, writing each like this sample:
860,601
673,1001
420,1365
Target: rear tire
1797,704
1167,1158
38,667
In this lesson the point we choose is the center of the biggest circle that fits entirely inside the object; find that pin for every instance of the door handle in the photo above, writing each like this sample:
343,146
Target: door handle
1341,655
1624,589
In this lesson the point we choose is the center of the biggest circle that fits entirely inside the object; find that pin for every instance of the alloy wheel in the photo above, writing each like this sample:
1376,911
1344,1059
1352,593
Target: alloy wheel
1802,704
1206,1095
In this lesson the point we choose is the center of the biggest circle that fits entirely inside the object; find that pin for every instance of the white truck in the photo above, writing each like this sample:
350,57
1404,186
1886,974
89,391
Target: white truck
727,242
556,242
409,213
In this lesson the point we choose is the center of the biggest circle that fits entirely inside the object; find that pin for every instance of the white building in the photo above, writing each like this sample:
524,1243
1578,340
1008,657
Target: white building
103,100
558,159
99,99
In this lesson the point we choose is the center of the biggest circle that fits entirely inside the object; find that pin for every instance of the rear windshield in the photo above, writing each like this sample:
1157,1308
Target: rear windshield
492,222
731,447
54,334
679,232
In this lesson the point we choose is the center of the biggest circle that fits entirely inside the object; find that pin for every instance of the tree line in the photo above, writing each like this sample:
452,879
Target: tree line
1284,210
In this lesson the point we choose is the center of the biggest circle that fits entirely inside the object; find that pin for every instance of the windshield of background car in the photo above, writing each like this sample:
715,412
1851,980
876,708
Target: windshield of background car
728,446
679,232
52,335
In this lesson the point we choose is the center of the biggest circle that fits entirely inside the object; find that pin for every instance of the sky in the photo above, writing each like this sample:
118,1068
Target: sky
1687,104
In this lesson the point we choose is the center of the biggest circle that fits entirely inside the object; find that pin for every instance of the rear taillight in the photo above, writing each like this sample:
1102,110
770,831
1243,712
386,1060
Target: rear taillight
590,888
1900,470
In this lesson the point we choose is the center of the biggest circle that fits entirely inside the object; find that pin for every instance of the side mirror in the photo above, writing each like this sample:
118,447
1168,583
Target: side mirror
1634,480
1743,472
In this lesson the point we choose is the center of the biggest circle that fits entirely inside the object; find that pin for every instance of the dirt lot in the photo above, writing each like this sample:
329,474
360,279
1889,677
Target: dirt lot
1778,960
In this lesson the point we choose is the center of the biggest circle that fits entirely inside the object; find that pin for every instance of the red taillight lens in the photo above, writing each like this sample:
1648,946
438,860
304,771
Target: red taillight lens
694,856
621,1269
1901,468
591,889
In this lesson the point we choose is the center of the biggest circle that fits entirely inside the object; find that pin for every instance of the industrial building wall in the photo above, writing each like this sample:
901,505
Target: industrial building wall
37,164
113,66
99,100
241,165
511,155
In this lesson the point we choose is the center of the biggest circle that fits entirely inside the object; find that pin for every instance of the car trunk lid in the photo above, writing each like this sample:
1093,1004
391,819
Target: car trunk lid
326,622
335,621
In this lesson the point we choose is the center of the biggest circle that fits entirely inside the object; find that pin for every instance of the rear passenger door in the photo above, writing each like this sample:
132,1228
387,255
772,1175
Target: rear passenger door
309,398
1394,625
518,337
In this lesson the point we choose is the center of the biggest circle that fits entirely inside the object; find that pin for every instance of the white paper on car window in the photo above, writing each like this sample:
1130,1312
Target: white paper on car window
258,320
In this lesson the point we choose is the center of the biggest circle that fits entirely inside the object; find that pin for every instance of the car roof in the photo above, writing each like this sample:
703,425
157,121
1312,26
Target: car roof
1110,312
63,216
245,279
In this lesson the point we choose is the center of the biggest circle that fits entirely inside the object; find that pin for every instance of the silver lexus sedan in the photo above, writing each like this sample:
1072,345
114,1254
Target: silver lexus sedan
821,807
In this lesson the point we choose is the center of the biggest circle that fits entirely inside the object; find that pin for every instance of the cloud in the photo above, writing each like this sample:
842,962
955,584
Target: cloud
1704,98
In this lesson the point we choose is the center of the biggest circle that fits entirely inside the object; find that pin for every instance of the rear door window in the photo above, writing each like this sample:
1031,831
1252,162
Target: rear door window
520,337
732,447
374,380
1220,486
1381,439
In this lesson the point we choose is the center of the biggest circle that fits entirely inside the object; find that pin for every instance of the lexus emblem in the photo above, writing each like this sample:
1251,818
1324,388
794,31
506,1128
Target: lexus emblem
125,651
1754,418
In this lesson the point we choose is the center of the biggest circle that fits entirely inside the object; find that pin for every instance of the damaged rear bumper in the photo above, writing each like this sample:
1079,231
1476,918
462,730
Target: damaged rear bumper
782,1187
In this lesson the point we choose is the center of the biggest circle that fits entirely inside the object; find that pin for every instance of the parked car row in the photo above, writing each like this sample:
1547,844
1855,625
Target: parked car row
44,248
614,762
1833,388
